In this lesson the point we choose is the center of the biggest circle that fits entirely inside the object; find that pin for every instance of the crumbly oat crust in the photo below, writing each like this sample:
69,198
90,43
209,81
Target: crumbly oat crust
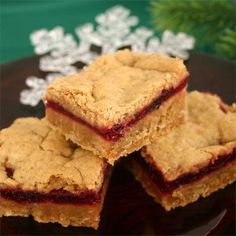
186,193
115,86
209,133
83,215
40,159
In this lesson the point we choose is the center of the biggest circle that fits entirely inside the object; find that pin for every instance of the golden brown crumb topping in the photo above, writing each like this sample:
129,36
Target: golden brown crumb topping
210,132
115,86
40,159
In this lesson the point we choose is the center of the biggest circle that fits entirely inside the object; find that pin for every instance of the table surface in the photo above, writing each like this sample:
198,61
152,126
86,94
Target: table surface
128,209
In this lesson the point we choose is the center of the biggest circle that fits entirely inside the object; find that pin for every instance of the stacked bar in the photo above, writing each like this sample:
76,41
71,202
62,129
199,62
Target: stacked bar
194,160
115,105
119,104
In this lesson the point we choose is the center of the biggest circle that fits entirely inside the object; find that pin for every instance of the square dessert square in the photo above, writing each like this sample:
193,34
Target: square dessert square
43,175
113,106
196,159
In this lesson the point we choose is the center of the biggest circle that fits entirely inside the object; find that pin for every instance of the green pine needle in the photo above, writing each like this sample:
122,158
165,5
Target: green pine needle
212,22
227,44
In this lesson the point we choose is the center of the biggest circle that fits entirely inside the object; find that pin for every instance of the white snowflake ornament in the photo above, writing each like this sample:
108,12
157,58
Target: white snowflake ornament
61,53
177,45
37,87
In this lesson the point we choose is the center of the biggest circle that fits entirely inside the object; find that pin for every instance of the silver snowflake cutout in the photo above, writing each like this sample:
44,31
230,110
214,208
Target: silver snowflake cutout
37,87
60,52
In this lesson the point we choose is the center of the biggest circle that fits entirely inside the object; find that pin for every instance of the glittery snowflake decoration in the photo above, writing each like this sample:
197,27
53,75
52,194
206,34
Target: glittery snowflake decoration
37,87
62,55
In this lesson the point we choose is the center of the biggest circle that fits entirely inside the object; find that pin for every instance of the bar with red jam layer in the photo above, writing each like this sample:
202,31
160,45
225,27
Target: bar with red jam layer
115,105
194,160
52,179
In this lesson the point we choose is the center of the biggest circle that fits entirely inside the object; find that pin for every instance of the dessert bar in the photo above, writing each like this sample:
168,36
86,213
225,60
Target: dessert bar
196,159
43,175
117,103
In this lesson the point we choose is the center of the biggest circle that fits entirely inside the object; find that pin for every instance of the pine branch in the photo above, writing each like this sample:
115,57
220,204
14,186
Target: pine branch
212,22
227,44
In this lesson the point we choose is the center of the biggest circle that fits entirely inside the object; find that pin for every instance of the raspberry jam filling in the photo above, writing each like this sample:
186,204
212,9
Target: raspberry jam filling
169,186
55,196
59,196
117,131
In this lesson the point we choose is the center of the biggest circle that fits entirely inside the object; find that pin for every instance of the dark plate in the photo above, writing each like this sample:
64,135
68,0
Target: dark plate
127,209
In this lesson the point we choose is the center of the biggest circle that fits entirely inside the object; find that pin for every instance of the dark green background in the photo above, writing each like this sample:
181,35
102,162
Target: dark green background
20,18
